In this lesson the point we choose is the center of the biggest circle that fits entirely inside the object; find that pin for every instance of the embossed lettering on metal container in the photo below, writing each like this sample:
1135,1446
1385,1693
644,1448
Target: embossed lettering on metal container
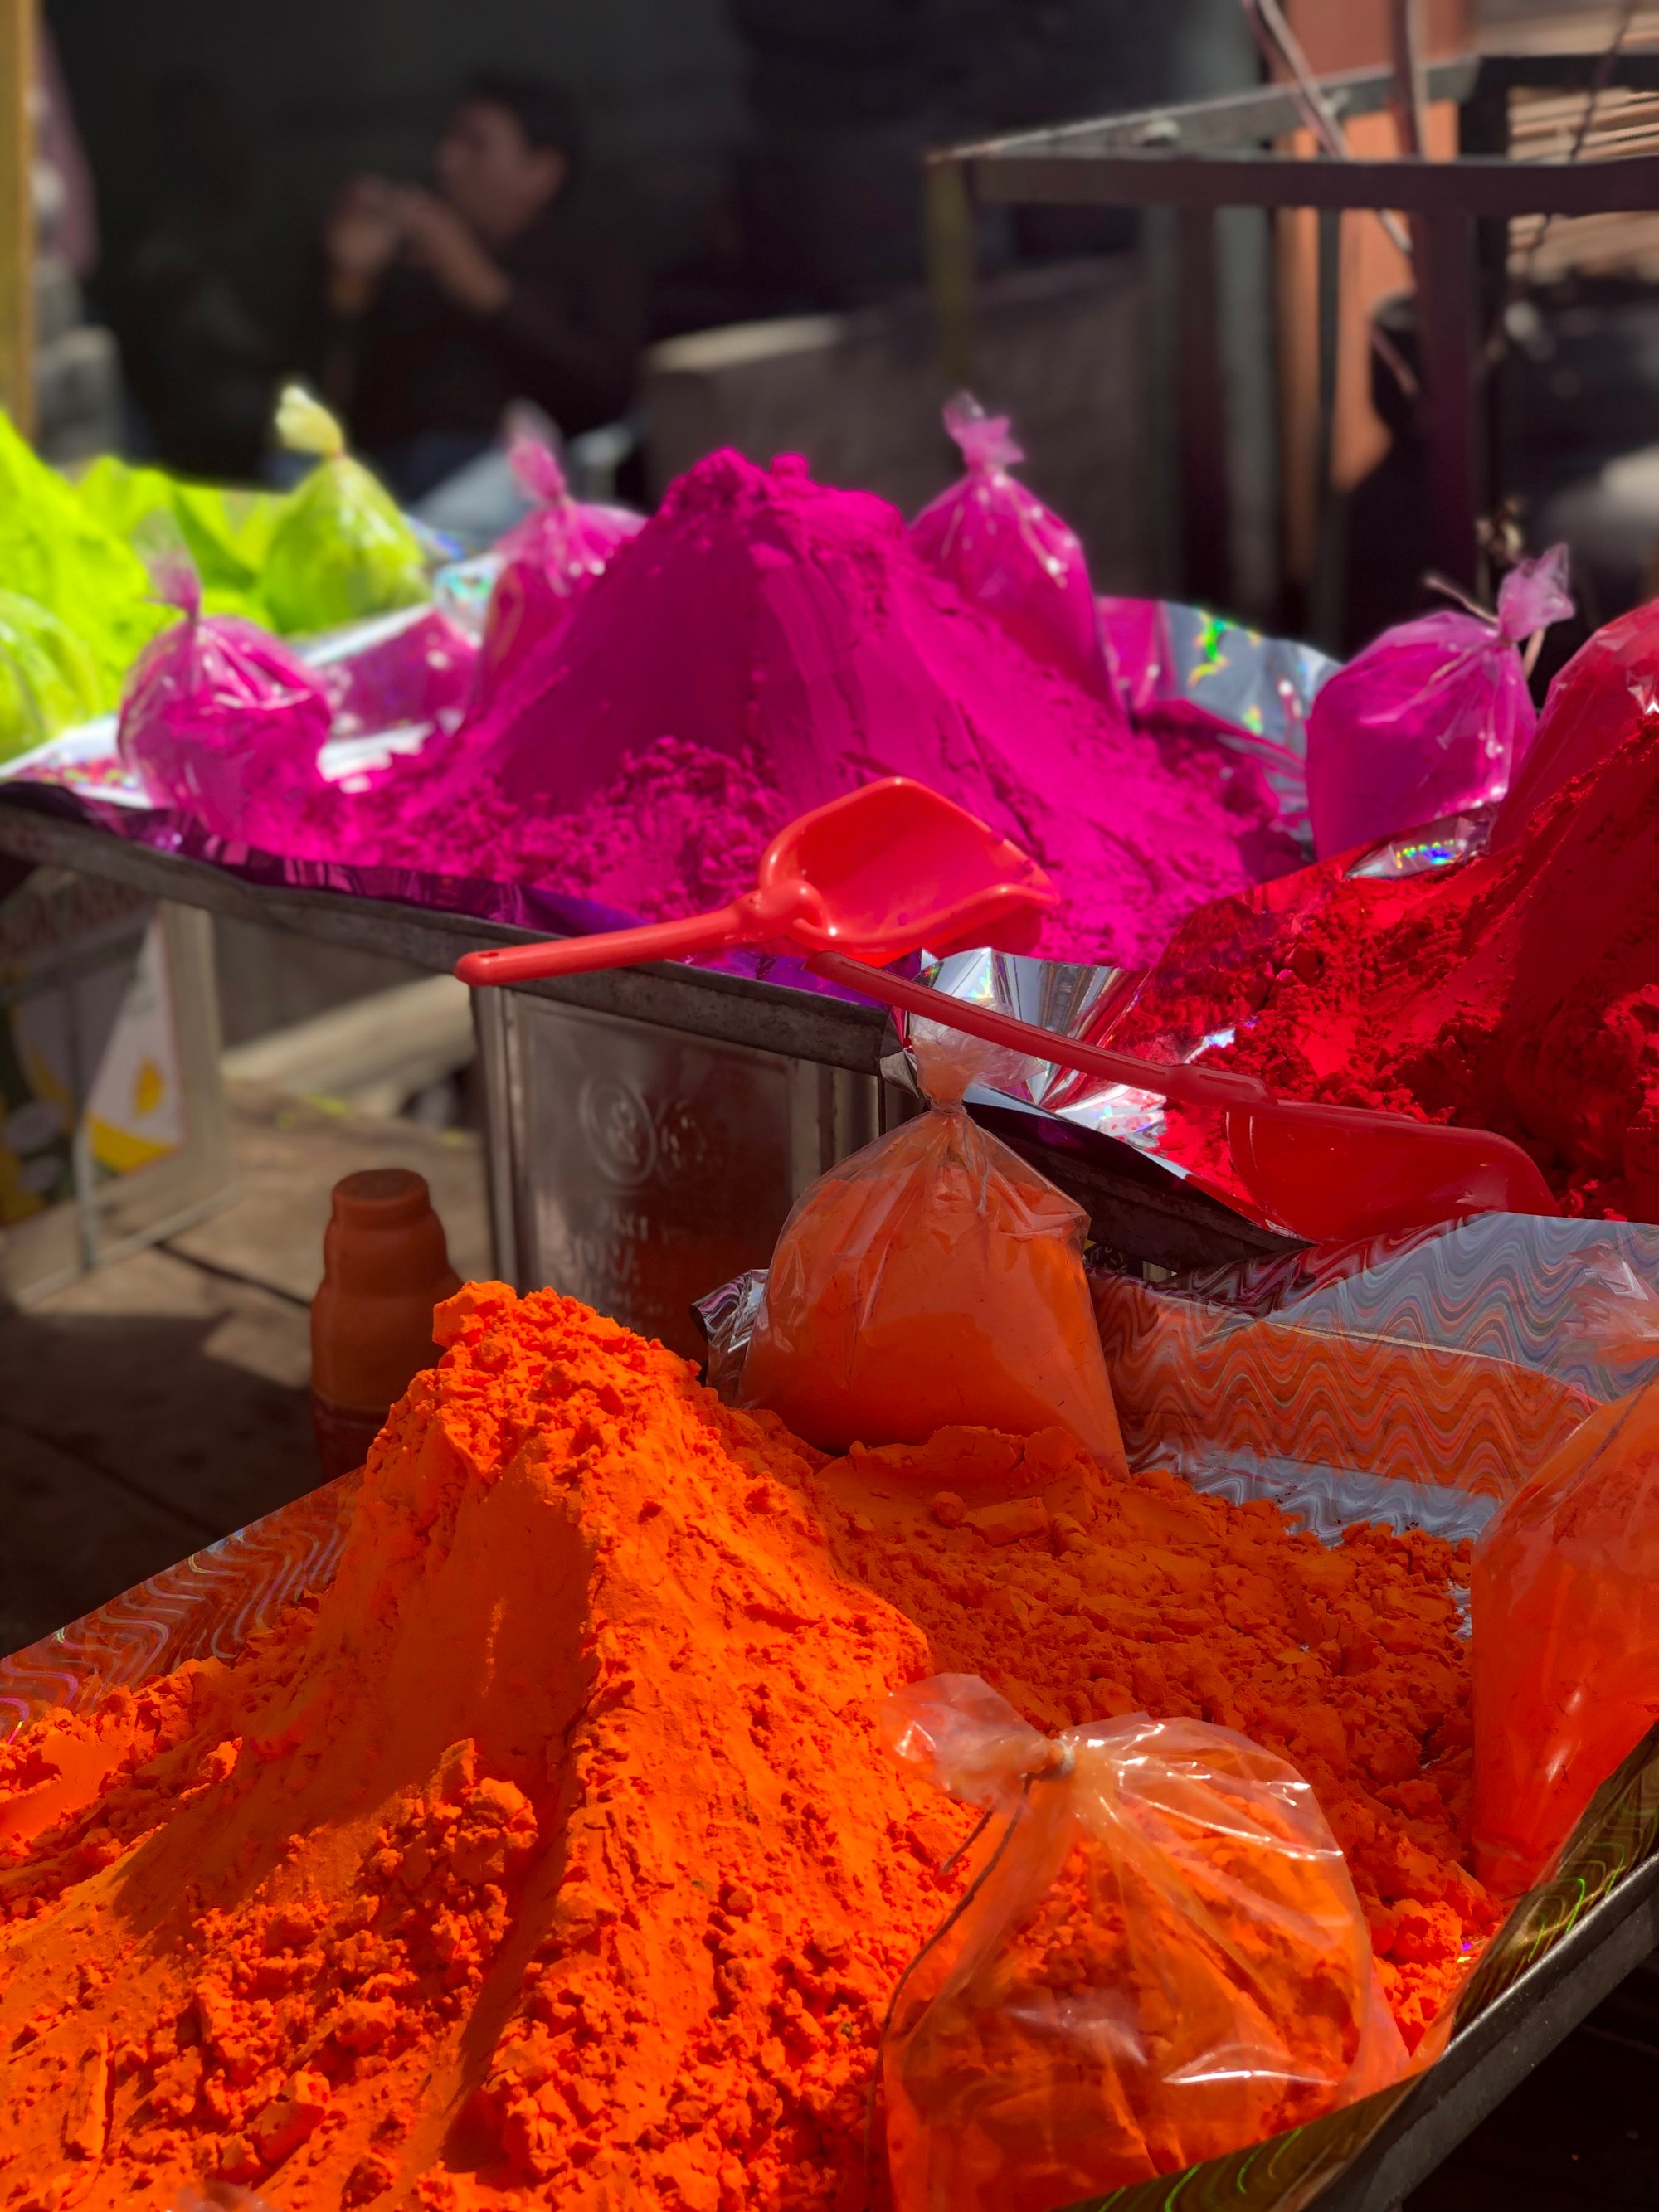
647,1165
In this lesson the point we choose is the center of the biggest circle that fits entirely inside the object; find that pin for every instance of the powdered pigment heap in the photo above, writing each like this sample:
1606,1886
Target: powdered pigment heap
549,1857
1519,994
790,632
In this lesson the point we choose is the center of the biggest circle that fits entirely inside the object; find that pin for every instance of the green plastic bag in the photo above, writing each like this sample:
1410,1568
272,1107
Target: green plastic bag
341,550
228,530
53,550
48,679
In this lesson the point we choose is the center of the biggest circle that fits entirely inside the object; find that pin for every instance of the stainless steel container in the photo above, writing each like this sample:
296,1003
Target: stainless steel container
637,1165
650,1128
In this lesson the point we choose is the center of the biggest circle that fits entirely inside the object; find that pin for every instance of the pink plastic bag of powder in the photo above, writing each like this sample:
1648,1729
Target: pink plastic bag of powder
414,669
1011,555
1432,719
220,720
548,561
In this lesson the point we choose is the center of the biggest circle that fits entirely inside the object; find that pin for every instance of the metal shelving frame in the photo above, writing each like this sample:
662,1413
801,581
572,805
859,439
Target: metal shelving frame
1196,159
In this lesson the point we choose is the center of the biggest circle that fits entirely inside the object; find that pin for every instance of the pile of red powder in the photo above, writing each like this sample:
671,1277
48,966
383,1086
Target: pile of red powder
1519,993
765,644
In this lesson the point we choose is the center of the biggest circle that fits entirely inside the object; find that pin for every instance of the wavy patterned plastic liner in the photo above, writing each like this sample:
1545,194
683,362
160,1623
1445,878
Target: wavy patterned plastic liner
206,1607
1463,1356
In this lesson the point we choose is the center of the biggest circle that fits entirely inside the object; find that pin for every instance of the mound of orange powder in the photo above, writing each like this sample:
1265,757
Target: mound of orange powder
549,1855
1079,1595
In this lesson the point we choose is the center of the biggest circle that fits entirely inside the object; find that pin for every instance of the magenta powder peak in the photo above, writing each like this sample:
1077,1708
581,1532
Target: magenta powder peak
789,631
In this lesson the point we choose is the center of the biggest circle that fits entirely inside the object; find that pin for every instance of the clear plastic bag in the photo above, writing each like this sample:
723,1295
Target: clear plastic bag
221,721
1161,1959
930,1279
341,551
548,561
48,679
1566,1637
1608,690
1432,718
1011,555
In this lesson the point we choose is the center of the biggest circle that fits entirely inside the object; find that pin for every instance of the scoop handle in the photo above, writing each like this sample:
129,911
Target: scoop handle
616,948
1442,1174
1187,1085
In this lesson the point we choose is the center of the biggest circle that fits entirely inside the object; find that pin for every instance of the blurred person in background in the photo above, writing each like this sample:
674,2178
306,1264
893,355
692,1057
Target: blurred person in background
506,283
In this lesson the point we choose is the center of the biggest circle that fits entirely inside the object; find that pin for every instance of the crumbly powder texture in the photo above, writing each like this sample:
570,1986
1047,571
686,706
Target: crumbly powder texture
791,630
549,1857
1080,1596
1519,993
678,830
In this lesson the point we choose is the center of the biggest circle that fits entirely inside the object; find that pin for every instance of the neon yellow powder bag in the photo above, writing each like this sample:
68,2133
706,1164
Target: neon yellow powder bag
341,550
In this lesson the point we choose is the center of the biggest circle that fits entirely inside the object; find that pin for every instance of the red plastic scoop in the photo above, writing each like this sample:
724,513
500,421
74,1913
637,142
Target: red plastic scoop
894,866
881,872
1327,1173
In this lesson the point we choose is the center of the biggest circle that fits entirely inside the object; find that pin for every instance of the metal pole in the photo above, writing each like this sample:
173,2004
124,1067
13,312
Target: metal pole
1410,107
17,30
949,214
1206,501
1444,261
1325,588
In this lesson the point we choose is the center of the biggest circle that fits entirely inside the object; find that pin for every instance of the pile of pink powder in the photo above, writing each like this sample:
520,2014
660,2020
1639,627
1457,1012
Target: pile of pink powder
765,644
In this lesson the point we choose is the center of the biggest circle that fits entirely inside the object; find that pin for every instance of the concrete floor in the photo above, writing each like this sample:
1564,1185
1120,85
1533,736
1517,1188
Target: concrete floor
161,1402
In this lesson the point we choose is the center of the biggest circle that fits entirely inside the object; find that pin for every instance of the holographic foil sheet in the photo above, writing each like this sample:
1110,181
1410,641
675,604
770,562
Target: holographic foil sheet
1085,1003
1419,852
1184,671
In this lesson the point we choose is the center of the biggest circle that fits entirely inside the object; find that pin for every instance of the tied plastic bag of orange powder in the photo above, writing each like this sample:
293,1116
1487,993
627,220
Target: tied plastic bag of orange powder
930,1279
1161,1960
1566,1637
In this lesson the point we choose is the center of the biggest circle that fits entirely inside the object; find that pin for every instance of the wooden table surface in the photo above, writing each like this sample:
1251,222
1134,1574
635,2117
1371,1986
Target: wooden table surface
161,1402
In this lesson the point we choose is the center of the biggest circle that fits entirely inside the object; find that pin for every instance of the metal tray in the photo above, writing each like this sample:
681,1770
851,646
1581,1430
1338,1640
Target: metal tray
1497,2050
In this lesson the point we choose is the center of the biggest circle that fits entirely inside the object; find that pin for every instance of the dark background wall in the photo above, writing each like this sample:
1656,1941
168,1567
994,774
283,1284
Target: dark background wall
774,141
330,87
